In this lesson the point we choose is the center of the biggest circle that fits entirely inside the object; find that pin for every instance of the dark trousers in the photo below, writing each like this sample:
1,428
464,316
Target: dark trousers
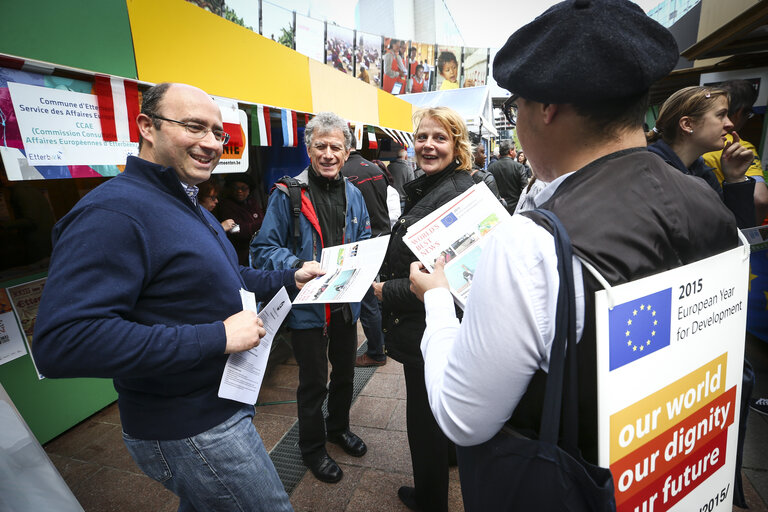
313,350
370,318
430,448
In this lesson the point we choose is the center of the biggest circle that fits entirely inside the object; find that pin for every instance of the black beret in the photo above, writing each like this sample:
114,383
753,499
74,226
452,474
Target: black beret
579,51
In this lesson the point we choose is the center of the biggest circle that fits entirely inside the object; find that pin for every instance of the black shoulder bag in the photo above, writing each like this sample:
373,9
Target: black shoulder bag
514,473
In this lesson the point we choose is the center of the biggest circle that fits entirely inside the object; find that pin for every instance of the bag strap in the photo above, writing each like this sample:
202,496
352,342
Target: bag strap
294,195
563,348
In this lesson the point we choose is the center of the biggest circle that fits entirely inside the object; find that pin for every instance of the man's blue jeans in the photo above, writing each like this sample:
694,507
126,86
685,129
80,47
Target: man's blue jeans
370,319
225,468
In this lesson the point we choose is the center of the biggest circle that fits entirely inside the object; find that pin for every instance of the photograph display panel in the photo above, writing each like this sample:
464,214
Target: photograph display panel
448,67
339,48
368,58
475,67
277,24
310,37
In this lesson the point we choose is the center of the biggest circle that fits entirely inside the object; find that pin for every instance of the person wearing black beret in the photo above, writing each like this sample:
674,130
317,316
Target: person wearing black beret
579,76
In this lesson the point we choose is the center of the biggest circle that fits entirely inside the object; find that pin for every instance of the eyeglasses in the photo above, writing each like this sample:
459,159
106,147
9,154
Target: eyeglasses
509,107
196,130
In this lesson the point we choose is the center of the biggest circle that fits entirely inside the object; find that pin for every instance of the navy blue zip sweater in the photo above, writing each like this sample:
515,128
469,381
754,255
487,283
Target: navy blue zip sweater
139,284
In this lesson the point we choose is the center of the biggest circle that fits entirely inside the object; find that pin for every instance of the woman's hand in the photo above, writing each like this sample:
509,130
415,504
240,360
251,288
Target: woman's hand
735,160
378,290
422,281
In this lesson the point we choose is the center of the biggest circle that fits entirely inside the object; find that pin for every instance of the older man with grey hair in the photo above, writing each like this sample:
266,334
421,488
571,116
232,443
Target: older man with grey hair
332,213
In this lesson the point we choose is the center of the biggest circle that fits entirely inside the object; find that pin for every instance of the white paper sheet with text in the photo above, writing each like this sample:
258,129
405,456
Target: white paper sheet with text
244,371
350,269
457,232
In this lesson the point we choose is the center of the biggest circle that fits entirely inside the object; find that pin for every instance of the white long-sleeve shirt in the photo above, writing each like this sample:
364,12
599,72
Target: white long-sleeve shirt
477,371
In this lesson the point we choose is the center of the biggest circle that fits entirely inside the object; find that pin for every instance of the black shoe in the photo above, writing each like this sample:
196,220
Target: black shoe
408,496
325,469
351,444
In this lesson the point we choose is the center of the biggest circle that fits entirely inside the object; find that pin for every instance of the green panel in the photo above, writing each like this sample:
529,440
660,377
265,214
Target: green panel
90,34
51,406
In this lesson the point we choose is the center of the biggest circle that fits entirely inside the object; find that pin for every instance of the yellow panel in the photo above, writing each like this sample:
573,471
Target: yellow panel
394,112
347,96
176,41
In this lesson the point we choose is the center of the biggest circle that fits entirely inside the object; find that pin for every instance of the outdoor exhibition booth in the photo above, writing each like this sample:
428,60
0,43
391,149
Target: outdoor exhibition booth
474,104
70,83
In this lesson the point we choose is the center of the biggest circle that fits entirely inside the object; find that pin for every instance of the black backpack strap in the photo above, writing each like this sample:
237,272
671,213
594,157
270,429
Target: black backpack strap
294,195
561,394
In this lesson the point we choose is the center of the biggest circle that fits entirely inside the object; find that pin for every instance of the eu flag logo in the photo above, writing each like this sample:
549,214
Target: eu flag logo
449,219
639,327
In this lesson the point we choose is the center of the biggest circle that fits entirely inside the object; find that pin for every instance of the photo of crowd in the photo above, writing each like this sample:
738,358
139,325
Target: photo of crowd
368,58
339,45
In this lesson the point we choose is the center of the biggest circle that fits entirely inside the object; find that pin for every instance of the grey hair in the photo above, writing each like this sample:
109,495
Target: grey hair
325,122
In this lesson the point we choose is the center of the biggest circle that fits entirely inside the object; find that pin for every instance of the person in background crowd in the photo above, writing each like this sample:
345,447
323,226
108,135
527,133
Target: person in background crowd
208,196
522,160
741,96
443,151
402,173
241,205
373,184
448,67
124,300
489,370
333,212
481,175
393,198
510,176
691,122
494,156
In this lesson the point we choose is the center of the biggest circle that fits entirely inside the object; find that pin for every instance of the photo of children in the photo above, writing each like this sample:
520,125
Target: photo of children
420,54
475,67
368,57
339,45
448,68
394,70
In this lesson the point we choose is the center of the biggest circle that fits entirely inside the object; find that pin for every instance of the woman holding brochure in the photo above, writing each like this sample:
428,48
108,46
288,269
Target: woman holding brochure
444,153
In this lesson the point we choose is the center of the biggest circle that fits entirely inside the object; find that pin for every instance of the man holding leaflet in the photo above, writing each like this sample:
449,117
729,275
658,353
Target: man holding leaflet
332,213
628,214
143,287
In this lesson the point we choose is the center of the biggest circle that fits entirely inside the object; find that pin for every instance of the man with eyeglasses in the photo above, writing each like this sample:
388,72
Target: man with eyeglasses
579,117
333,212
144,288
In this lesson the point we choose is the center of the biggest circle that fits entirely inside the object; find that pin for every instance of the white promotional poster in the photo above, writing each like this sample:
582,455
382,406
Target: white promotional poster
60,127
350,270
457,232
244,372
670,355
11,337
235,155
